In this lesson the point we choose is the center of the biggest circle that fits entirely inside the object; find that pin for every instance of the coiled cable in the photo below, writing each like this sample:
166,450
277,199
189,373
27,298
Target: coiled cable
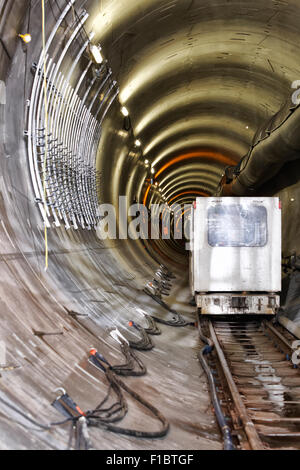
131,360
97,420
145,343
177,320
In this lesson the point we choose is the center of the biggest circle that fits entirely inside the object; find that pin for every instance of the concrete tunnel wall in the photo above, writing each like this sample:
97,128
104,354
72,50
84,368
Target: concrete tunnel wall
209,95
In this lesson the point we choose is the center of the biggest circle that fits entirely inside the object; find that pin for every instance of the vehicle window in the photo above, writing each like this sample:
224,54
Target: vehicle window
237,225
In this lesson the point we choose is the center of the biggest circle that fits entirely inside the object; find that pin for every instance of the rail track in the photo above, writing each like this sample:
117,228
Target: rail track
257,383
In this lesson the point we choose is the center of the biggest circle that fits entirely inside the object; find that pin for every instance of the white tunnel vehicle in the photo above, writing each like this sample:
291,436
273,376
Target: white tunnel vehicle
235,262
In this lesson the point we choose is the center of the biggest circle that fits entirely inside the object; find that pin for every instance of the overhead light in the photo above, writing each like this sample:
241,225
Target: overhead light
138,143
25,37
152,170
146,162
96,53
124,111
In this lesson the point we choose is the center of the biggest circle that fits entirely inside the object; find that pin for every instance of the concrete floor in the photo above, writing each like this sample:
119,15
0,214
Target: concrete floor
174,383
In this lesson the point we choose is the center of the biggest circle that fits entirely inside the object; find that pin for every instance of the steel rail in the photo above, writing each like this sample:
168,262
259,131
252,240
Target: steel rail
249,427
279,336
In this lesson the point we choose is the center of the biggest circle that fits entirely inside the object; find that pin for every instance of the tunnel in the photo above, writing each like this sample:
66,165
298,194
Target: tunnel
152,102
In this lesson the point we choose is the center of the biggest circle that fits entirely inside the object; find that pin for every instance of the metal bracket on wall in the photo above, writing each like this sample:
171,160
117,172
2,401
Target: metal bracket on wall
64,129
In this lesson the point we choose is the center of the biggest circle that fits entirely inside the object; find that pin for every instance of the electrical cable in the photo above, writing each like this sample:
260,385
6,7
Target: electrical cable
105,417
152,328
178,320
225,429
97,421
132,359
24,415
145,343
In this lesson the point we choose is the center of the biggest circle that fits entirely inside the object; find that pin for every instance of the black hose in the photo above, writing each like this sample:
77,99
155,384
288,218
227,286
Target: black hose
132,359
178,319
82,441
145,343
225,429
46,427
117,384
152,328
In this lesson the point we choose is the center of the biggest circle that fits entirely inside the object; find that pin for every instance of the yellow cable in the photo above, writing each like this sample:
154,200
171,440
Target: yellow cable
46,130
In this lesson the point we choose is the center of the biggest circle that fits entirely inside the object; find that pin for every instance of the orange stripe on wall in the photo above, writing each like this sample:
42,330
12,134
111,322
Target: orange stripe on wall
219,157
146,194
200,193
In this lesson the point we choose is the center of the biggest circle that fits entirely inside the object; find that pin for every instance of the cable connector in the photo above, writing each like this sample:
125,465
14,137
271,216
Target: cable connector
207,349
134,325
141,312
66,406
96,359
117,336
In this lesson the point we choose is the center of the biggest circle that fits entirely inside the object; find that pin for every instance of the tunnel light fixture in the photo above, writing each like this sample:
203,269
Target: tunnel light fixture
138,143
96,53
25,37
122,134
153,170
146,162
124,111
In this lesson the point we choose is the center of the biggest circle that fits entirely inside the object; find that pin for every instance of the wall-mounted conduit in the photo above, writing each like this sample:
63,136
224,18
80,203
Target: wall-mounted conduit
63,159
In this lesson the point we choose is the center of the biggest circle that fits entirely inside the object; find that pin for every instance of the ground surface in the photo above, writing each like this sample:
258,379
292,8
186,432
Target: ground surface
174,383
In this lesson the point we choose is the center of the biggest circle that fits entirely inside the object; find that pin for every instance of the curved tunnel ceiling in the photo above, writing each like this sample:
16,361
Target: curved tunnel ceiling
198,77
